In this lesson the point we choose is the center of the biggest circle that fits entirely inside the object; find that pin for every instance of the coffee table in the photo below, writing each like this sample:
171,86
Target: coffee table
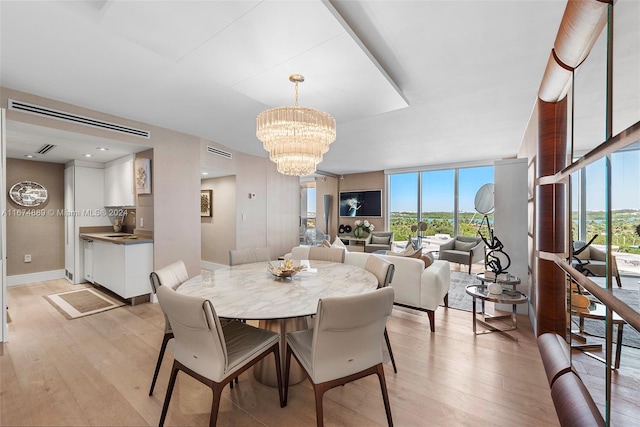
509,281
507,296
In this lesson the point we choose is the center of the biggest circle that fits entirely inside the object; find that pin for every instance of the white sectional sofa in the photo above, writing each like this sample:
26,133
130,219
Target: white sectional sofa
414,286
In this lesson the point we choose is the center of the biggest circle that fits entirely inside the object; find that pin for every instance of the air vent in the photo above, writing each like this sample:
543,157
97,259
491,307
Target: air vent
74,118
46,148
219,152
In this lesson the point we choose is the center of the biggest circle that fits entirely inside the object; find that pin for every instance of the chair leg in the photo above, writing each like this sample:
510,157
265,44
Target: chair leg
287,367
432,319
215,404
232,381
446,300
167,398
276,356
318,391
385,396
163,347
393,361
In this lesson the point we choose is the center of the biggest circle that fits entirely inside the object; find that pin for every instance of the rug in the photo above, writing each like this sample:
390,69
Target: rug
82,302
459,299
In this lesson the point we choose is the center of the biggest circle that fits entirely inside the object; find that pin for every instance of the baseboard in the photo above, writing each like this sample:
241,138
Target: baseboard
41,276
208,265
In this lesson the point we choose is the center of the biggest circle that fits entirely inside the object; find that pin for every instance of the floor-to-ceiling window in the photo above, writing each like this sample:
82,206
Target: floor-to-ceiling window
403,204
430,196
438,194
469,182
588,211
308,230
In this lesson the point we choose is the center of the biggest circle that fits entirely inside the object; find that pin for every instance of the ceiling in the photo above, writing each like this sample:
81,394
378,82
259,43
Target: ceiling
410,83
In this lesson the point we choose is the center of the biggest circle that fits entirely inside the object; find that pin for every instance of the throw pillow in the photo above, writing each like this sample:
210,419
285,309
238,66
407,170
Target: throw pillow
337,243
415,254
407,250
326,243
380,240
464,246
427,258
586,254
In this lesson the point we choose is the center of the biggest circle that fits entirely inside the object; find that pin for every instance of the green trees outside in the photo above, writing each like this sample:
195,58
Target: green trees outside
439,223
623,225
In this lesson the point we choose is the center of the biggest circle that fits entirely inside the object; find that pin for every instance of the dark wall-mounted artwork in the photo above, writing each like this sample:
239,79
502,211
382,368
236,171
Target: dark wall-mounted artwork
361,203
206,197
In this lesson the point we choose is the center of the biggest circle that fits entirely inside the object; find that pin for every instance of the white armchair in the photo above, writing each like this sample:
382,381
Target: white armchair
414,286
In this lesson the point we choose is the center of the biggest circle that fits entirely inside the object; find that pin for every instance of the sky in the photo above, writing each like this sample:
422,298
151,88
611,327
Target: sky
625,182
438,189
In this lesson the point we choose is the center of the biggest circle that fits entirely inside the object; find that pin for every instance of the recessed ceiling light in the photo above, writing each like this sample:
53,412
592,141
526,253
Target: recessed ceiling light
102,148
87,155
29,156
205,173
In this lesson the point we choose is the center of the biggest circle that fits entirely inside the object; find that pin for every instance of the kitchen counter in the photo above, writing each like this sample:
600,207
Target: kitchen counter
117,238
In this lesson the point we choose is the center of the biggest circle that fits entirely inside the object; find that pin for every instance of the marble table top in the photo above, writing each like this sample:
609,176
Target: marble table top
250,291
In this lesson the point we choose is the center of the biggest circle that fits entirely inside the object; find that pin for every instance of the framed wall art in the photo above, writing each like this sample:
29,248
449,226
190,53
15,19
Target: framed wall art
143,176
206,197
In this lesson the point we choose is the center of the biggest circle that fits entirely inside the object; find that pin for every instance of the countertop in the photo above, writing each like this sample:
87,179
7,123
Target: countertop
117,238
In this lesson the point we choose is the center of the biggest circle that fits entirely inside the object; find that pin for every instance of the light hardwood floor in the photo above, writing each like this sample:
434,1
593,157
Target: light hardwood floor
97,370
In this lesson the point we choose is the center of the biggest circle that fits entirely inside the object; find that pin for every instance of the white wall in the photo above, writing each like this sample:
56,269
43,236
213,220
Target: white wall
219,230
176,185
271,218
510,217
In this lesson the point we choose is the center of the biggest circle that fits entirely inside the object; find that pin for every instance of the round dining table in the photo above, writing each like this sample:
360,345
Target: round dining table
251,292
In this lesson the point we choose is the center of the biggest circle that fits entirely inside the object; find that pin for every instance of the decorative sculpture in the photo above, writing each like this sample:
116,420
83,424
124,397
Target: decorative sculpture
496,252
496,258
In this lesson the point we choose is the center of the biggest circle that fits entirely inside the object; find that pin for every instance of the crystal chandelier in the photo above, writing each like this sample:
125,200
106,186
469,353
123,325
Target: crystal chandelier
295,137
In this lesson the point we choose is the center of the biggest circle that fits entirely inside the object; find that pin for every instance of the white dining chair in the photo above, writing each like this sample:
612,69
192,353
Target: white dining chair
211,352
383,270
172,275
247,256
326,254
343,346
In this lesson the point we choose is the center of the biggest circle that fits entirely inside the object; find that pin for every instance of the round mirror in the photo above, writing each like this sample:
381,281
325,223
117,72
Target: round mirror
484,199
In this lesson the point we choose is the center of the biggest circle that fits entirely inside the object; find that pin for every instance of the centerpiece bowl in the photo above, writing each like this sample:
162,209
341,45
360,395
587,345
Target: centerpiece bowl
285,269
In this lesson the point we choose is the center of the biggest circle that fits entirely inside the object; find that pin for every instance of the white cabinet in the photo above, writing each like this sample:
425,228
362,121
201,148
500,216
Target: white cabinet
118,182
83,197
101,263
88,260
123,269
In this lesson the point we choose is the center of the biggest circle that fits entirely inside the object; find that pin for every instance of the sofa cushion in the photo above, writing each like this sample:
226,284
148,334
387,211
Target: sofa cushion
380,240
464,246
